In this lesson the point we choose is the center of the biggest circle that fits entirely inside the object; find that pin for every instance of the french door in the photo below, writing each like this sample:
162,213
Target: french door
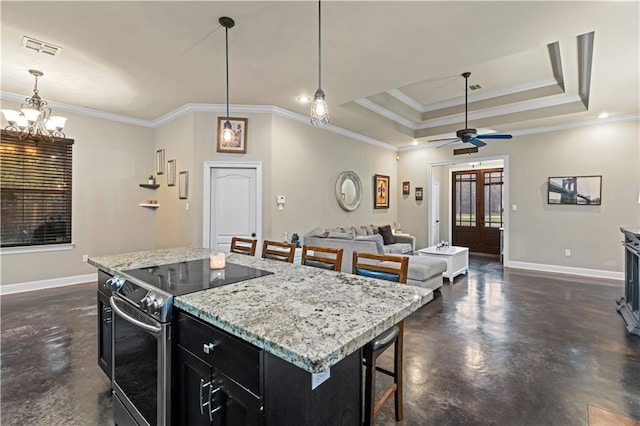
478,211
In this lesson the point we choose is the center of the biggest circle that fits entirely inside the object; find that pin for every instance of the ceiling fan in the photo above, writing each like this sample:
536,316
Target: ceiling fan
470,135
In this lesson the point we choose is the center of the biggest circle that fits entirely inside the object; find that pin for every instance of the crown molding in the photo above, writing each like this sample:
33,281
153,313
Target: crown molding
535,130
14,97
194,107
372,106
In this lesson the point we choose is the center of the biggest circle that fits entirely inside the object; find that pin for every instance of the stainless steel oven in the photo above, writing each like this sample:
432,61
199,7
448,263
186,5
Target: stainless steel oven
141,366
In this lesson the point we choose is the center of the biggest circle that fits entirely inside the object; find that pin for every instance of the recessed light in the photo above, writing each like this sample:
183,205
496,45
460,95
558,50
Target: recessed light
603,115
415,143
303,99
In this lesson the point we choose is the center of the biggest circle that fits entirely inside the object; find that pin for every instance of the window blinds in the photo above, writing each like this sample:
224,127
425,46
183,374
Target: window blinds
35,185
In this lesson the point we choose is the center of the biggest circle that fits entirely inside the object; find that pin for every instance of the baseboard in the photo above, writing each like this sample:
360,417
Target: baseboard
44,284
595,273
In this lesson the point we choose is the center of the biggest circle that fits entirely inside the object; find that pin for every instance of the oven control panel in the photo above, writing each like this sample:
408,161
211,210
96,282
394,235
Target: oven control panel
155,304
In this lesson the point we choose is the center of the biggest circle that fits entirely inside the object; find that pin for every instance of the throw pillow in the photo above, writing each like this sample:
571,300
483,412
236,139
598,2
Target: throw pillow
387,235
361,231
341,235
319,232
377,239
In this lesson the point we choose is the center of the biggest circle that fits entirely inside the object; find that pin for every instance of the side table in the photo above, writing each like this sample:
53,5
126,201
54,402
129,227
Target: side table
457,259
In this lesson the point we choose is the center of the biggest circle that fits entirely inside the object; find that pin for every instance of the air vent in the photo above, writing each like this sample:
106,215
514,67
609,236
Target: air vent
475,87
40,46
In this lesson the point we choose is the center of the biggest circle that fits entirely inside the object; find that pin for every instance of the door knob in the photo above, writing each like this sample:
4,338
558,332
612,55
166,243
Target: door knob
253,234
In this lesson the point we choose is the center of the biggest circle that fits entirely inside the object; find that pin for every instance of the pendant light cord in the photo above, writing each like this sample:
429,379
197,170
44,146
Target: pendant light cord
226,37
319,45
466,101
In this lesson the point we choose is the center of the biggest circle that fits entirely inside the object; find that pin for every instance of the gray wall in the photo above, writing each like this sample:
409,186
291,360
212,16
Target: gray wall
539,233
110,160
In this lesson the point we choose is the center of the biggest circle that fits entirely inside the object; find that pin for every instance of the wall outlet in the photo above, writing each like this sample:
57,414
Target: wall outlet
85,257
567,252
186,206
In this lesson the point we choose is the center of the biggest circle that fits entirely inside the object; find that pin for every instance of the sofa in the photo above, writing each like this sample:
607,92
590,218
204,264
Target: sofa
423,271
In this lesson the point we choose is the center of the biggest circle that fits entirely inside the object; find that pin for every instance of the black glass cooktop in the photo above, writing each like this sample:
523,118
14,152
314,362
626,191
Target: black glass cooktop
194,275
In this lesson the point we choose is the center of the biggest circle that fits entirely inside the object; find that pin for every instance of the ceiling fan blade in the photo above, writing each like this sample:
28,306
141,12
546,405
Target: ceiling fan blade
477,142
494,136
445,139
448,143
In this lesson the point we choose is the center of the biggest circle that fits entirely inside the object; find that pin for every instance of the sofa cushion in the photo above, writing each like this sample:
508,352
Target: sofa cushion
319,232
398,248
422,268
361,231
341,235
387,235
373,230
377,239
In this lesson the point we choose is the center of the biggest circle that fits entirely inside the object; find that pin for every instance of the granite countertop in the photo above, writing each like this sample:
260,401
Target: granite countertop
310,317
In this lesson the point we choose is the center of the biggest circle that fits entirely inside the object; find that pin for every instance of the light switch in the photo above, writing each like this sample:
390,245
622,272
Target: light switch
514,207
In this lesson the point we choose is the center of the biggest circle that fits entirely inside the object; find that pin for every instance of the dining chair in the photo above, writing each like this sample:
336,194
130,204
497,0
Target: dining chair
390,268
276,250
243,246
322,257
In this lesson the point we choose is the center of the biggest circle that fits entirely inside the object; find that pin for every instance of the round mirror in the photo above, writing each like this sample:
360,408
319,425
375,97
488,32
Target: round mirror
348,190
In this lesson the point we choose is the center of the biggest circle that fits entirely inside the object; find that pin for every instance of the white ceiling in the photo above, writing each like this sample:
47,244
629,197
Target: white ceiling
391,70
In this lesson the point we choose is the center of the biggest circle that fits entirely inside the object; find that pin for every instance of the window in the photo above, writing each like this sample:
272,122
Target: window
35,185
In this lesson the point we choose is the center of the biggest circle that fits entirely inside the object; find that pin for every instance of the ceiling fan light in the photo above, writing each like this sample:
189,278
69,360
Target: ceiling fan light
319,110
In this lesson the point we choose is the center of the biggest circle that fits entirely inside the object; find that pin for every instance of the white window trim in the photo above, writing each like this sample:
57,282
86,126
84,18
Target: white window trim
37,249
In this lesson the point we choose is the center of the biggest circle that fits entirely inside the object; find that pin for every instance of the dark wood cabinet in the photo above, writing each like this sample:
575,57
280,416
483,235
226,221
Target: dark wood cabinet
219,379
104,326
629,305
205,394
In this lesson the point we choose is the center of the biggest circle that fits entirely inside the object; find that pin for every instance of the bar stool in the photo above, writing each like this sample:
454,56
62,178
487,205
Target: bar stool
390,268
243,246
276,250
333,260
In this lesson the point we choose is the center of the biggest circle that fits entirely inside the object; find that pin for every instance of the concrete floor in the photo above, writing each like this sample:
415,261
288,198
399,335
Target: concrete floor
495,347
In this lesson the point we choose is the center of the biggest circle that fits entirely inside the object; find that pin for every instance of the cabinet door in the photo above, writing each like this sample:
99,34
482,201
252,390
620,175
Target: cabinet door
104,334
237,406
193,383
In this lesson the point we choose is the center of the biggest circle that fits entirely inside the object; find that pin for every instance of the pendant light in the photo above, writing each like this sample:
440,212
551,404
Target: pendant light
227,131
319,111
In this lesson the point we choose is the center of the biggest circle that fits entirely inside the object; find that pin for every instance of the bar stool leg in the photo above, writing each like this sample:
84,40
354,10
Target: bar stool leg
397,369
369,387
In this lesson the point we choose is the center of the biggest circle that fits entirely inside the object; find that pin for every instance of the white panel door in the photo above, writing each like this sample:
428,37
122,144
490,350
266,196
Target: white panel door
233,206
434,238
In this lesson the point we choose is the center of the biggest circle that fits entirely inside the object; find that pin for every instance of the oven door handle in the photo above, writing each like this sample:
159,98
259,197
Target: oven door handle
124,316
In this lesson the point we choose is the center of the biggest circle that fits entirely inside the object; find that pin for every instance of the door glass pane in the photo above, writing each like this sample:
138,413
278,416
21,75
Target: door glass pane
466,200
493,190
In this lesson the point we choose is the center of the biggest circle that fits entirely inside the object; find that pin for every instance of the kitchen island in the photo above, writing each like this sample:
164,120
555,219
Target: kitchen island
303,323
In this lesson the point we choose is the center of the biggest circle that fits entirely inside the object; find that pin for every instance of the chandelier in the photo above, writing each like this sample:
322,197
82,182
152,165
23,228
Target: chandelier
34,120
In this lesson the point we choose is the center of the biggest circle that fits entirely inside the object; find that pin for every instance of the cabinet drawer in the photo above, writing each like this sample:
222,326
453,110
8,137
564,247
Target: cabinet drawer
236,359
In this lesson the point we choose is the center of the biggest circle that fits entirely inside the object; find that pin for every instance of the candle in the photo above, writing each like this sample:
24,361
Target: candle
216,260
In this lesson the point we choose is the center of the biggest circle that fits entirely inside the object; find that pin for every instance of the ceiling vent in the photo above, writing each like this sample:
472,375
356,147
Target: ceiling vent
40,46
475,87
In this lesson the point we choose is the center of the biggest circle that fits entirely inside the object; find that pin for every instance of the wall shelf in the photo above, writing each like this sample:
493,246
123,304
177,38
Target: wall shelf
153,206
150,186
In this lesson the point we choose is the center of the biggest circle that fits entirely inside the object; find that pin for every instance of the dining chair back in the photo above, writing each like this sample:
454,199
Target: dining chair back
322,257
276,250
243,246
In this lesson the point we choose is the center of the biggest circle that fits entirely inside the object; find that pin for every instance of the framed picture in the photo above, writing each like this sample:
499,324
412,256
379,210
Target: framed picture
579,190
237,145
381,191
406,188
160,161
418,193
171,172
183,185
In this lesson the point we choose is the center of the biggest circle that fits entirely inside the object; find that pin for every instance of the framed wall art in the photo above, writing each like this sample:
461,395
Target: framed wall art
418,193
171,173
381,191
183,185
406,188
577,190
160,161
237,145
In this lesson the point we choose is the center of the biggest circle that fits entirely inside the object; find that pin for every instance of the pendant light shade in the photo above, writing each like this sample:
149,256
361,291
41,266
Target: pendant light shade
227,131
319,110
